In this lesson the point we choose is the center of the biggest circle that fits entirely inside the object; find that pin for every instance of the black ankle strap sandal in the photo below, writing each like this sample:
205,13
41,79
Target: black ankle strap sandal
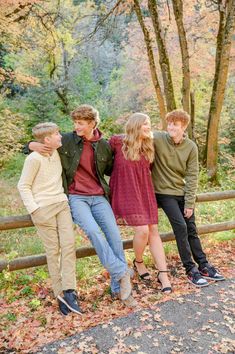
144,276
167,289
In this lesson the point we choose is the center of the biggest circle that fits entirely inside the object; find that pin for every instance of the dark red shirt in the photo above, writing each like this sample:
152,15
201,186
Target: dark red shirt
86,181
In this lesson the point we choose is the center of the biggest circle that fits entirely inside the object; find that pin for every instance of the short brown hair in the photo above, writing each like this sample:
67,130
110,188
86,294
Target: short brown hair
86,112
178,115
41,130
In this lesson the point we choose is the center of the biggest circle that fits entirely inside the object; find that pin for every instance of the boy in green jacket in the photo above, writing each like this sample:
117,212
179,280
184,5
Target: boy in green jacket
175,178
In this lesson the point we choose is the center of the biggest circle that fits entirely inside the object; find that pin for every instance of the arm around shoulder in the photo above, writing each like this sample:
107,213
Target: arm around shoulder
108,159
35,146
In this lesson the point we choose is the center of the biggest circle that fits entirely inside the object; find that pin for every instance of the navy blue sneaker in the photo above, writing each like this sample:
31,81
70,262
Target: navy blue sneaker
209,272
63,308
196,279
70,299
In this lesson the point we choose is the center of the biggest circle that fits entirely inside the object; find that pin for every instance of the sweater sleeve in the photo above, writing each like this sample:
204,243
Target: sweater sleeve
191,178
29,172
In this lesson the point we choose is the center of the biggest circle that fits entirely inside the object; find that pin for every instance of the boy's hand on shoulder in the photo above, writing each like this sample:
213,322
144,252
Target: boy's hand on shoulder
39,147
188,212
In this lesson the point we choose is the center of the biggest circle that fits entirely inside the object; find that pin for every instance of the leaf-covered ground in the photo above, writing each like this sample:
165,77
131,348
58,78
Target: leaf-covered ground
196,323
29,322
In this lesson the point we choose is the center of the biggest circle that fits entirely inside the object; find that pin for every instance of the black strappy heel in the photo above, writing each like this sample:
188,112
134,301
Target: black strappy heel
142,276
167,289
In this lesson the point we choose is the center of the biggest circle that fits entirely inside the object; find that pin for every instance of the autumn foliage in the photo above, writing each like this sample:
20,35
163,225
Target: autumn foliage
30,317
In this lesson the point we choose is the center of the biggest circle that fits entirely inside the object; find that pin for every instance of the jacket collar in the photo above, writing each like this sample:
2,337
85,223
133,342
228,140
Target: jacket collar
78,138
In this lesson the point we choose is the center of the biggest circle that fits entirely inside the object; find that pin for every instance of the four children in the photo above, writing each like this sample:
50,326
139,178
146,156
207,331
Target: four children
82,159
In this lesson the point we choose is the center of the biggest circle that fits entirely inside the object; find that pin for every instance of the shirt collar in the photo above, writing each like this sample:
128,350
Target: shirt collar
179,143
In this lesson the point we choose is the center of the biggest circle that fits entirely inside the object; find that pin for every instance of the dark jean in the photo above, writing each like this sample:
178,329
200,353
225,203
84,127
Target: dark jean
185,231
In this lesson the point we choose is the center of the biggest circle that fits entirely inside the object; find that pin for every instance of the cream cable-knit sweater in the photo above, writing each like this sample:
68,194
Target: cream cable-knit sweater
40,183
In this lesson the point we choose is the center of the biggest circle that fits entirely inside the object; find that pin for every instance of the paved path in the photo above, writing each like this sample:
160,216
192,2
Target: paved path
202,322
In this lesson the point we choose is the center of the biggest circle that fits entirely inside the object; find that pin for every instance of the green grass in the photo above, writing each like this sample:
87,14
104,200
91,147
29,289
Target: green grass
23,241
88,265
12,169
224,236
212,212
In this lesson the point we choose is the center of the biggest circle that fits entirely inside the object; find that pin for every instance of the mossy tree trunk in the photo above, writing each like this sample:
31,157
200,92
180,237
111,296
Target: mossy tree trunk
178,13
163,56
224,39
152,65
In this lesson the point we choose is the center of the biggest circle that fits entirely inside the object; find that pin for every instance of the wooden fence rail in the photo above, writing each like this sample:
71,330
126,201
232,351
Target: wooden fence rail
13,222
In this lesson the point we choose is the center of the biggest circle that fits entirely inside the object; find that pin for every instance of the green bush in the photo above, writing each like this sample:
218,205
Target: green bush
13,166
11,132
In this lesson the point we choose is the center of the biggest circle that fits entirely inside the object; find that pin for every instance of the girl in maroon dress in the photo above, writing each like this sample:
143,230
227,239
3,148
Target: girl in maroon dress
132,194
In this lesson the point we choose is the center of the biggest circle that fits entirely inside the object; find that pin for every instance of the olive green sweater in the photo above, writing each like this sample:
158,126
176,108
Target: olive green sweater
175,168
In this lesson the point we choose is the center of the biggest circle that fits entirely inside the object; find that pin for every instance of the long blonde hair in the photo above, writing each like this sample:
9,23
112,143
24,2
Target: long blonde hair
133,145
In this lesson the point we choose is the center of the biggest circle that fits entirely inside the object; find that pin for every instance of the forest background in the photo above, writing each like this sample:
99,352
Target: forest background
121,57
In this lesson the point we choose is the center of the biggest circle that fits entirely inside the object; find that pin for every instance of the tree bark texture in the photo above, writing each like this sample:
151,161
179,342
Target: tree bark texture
192,115
152,64
61,87
224,39
178,13
163,56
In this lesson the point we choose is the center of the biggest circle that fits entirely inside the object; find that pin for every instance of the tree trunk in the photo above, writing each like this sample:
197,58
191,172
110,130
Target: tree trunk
152,64
192,114
163,56
178,12
61,88
224,39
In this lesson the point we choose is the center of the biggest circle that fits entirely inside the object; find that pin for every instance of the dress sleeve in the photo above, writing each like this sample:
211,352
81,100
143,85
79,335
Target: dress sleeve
113,142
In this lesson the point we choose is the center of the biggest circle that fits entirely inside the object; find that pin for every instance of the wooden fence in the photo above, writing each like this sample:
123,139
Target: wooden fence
14,222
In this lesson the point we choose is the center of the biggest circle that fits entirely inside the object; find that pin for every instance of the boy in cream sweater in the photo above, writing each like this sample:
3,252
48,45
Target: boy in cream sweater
41,190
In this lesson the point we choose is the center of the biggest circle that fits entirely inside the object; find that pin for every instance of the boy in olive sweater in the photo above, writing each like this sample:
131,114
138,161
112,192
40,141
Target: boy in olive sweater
175,177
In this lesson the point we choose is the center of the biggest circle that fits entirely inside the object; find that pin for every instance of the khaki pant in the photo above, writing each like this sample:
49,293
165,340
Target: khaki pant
55,228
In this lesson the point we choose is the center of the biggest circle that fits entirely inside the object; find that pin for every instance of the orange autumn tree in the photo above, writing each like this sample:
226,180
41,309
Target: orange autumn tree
13,15
152,18
226,10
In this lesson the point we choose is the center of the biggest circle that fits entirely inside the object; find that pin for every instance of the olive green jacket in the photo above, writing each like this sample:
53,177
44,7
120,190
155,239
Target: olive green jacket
175,168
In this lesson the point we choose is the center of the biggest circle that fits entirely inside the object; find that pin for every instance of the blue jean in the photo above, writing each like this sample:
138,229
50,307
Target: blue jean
95,217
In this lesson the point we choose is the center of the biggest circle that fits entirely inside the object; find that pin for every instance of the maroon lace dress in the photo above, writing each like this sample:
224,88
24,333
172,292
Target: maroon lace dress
132,194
